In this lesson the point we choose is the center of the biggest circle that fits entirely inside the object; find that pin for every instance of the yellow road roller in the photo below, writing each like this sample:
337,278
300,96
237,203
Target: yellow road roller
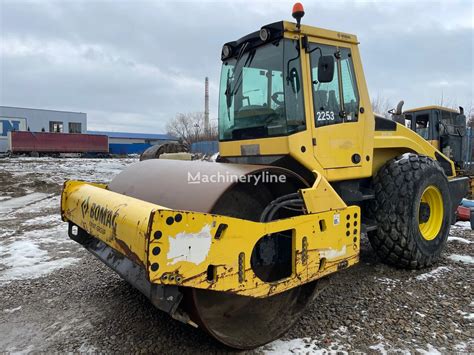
239,247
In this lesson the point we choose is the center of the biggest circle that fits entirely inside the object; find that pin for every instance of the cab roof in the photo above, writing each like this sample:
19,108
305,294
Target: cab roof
321,33
277,31
432,107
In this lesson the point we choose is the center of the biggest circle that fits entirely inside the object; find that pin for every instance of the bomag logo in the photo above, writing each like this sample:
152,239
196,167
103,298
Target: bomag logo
85,207
343,35
103,215
100,214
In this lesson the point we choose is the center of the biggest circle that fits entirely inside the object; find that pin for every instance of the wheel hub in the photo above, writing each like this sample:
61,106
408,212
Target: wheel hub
430,213
424,214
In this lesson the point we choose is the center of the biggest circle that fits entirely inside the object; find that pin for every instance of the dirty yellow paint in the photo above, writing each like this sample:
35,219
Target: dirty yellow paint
143,232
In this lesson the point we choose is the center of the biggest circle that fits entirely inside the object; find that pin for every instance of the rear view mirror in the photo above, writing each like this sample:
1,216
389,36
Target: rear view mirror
294,80
325,68
228,95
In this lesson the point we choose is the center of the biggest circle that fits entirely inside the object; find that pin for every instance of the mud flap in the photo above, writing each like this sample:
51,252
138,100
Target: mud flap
458,188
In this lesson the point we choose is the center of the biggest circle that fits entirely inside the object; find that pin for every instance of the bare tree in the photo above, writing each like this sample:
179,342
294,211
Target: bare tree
470,122
468,110
447,102
470,116
381,105
189,128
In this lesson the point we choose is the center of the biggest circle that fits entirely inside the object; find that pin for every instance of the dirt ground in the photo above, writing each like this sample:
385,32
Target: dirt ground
55,297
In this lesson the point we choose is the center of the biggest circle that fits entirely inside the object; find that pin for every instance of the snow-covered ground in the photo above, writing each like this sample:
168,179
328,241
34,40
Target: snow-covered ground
33,239
34,245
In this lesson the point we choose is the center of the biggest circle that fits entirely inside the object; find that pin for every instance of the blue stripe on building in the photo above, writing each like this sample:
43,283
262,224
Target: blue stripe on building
123,143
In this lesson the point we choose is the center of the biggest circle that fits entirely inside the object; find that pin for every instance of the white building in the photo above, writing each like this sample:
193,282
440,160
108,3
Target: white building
39,120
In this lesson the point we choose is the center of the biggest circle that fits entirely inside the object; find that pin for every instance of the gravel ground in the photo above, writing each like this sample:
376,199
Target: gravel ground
55,297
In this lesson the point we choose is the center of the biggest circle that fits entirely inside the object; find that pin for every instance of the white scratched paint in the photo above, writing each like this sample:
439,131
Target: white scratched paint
191,247
332,253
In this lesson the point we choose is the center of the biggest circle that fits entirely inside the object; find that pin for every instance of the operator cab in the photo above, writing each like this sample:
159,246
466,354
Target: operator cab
260,88
261,85
286,91
443,127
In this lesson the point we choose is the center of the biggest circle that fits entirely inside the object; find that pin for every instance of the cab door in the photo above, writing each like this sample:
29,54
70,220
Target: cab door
337,130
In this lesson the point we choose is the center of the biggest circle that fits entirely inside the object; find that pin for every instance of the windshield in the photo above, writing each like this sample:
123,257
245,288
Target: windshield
423,125
261,94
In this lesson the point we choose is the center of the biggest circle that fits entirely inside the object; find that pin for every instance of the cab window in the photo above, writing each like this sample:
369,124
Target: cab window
349,86
326,100
423,125
336,101
261,94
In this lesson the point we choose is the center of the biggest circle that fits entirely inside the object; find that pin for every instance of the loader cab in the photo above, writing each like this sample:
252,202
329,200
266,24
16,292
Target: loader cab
443,127
296,96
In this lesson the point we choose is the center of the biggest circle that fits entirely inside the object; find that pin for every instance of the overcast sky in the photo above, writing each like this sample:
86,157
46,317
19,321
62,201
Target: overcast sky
132,65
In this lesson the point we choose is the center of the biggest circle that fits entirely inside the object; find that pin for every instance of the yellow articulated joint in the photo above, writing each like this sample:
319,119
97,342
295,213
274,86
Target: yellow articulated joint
215,252
408,140
321,196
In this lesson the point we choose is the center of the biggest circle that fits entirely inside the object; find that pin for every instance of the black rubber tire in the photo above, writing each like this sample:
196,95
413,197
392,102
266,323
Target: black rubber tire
398,187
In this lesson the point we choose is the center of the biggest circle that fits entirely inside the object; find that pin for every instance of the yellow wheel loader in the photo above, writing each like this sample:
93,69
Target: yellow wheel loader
239,248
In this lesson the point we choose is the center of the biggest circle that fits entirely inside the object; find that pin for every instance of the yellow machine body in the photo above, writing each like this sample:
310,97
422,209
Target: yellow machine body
325,240
145,230
336,144
207,251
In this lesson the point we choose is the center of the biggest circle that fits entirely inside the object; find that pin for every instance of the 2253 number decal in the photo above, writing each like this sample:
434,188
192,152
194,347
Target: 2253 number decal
325,116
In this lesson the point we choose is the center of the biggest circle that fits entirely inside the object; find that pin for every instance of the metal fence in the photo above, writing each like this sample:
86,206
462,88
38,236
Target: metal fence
205,147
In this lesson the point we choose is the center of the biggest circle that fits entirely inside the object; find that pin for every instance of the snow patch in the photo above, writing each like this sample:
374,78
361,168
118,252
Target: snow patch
191,247
383,347
431,350
56,235
29,255
28,350
17,202
433,274
34,241
386,280
466,315
43,220
25,260
379,347
462,225
294,346
462,258
459,239
390,283
11,310
39,206
86,348
461,347
300,346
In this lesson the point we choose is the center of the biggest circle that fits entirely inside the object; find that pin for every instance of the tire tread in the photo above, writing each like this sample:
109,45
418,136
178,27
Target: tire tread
394,187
